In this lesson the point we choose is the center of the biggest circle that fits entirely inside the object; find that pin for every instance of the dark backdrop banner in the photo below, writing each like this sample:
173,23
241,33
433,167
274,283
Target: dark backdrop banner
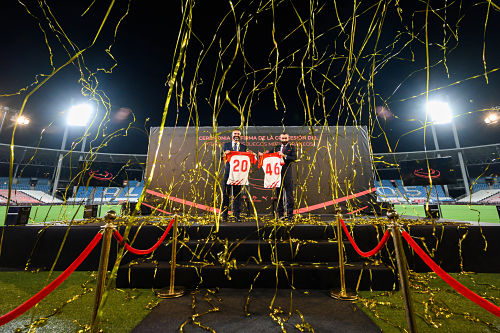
333,166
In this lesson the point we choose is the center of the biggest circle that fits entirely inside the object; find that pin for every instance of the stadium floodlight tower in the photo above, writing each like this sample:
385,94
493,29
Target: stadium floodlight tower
77,116
20,120
440,114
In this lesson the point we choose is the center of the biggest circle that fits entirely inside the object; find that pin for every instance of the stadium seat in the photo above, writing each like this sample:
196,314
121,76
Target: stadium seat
42,196
478,187
19,197
42,181
494,199
24,180
413,194
42,188
479,196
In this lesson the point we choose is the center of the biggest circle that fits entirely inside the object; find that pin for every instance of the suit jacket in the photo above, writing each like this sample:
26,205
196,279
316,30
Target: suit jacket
229,146
290,156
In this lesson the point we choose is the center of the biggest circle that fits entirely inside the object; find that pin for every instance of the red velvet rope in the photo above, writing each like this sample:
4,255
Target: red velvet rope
129,248
377,248
51,286
485,304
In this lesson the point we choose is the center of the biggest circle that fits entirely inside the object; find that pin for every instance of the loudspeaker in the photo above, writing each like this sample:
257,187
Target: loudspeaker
432,211
128,208
18,215
90,211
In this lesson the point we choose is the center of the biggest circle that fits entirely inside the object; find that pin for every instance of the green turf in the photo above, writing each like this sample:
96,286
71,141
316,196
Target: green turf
103,209
470,213
446,308
40,214
2,214
478,213
410,210
125,309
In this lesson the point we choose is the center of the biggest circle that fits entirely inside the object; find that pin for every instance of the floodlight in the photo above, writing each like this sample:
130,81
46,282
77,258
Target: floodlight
22,120
79,115
492,118
439,112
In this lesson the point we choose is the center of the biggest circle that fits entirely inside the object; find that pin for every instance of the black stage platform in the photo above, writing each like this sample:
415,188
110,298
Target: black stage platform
244,254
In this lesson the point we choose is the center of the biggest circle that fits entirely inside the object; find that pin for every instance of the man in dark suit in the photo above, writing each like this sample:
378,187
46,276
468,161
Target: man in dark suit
234,145
289,154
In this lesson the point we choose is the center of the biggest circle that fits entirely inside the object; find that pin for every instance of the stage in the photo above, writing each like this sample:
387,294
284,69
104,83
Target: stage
254,254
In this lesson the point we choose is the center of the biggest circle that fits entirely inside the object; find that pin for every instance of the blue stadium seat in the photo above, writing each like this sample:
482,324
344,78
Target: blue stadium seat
21,187
111,192
42,181
43,188
132,183
478,187
24,180
83,192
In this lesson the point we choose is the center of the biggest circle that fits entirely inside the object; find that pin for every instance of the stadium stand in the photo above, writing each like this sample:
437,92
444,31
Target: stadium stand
42,181
42,196
101,194
18,197
386,191
131,192
478,187
42,188
494,199
479,196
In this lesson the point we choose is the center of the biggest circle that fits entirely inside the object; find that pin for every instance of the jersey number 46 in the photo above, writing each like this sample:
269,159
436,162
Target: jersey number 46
269,169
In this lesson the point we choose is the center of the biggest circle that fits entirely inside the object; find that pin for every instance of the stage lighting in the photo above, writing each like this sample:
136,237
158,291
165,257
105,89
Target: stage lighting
492,118
79,115
439,112
22,120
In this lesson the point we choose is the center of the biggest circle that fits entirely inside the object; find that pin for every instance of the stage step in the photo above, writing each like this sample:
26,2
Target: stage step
250,231
244,275
237,253
266,250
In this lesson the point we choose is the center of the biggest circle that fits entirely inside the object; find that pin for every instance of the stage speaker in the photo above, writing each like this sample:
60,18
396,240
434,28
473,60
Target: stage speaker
90,211
432,211
18,215
128,208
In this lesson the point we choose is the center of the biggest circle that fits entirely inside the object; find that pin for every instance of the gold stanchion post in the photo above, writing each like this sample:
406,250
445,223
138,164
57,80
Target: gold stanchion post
103,269
343,293
404,281
173,291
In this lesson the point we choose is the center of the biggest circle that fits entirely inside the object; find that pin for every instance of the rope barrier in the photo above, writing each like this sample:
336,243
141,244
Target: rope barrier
377,248
129,248
51,286
485,304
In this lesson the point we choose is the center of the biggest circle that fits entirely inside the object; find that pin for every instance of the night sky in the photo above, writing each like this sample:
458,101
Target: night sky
144,53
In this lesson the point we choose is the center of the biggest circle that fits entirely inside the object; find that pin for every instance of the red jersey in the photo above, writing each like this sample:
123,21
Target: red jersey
239,167
271,164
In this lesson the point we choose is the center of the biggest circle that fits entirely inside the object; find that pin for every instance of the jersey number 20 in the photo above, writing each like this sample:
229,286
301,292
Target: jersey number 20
244,166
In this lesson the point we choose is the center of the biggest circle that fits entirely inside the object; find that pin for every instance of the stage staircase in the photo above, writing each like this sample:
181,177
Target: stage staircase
242,255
